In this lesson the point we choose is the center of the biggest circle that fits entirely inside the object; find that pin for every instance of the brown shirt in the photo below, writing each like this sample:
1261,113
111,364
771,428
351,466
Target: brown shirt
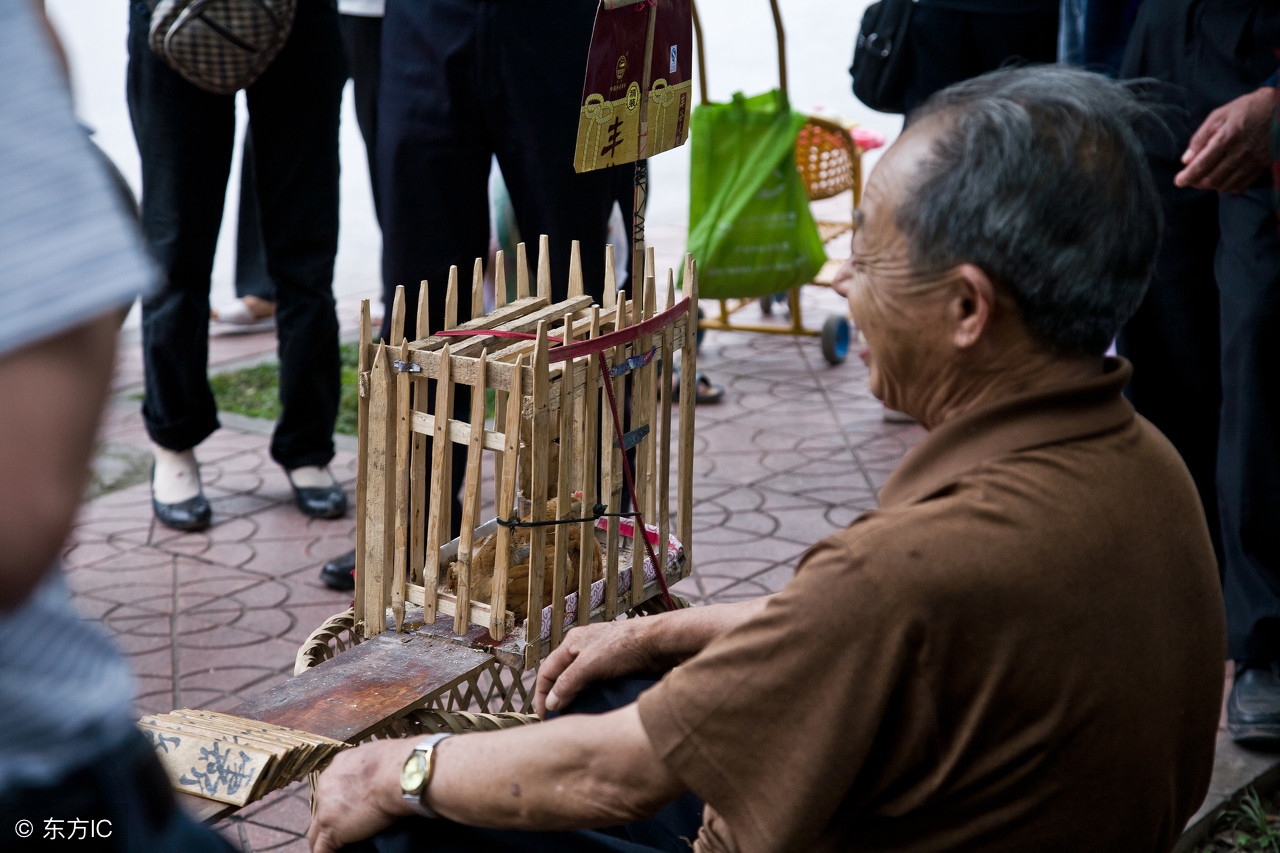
1022,649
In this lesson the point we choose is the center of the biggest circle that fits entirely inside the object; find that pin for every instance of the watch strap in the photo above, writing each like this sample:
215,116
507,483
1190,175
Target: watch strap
417,798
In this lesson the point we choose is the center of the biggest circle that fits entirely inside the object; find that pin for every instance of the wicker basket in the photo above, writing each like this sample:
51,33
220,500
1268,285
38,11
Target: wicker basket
827,158
494,697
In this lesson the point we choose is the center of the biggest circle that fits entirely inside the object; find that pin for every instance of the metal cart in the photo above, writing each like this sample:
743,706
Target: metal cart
830,163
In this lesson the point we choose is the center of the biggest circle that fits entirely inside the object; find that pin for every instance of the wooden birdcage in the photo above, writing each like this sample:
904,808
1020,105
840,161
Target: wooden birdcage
577,389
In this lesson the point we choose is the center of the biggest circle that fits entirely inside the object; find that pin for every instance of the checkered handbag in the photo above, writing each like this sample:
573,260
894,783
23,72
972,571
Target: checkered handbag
220,45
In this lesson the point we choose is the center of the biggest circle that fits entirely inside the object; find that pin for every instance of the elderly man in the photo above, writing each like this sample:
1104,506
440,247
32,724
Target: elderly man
1022,649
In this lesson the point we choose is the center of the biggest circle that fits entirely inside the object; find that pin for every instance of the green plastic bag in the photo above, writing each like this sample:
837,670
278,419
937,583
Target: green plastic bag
750,228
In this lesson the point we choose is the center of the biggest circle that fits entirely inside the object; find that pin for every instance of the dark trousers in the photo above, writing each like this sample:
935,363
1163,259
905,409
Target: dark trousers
1207,373
185,139
120,802
948,45
462,81
362,51
672,829
1204,342
1248,273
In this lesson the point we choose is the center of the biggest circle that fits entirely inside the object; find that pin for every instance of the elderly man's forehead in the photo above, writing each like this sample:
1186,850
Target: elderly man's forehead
899,164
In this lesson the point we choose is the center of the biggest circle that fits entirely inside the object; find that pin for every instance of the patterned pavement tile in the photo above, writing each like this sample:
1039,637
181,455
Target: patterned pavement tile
270,825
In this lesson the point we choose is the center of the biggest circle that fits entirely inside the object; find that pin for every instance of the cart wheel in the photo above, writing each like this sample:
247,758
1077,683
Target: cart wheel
835,339
697,341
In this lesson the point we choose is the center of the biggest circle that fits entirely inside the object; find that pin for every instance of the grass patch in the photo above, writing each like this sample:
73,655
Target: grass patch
255,391
1250,827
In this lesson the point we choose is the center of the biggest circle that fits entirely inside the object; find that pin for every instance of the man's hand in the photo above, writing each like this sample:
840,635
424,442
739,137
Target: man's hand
651,644
359,795
1232,148
588,654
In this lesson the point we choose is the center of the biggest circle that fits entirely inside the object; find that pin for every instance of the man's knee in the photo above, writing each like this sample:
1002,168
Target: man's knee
609,695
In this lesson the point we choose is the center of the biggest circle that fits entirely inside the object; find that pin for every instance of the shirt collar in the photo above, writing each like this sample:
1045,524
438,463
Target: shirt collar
1017,423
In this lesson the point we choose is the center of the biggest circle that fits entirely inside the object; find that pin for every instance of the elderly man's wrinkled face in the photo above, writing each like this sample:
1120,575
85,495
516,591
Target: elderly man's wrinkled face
894,307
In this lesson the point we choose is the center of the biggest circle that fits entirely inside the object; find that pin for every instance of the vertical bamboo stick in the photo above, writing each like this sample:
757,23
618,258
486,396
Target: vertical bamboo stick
363,364
397,317
471,498
688,396
506,498
611,474
499,280
649,396
424,314
400,524
664,452
378,493
587,472
499,418
575,270
522,271
544,267
477,289
564,500
641,387
451,300
610,294
438,506
418,455
636,284
541,438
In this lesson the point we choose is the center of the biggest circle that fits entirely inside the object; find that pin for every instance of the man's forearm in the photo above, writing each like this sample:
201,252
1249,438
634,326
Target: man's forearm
678,635
575,772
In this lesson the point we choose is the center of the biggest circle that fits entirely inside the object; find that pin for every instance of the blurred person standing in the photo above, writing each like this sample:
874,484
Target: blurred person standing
185,138
73,765
464,81
954,40
1203,343
254,307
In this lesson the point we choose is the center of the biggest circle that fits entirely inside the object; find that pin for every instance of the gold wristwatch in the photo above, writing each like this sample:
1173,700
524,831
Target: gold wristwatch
416,774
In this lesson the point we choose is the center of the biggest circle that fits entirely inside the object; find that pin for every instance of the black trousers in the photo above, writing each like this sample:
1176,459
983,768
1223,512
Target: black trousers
119,802
1204,342
362,51
185,138
950,45
672,829
461,82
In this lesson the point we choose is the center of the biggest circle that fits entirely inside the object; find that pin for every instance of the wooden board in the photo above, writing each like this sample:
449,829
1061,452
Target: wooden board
354,693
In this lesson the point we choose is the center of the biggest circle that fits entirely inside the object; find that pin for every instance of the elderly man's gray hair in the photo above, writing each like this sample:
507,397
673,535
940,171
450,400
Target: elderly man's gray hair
1038,178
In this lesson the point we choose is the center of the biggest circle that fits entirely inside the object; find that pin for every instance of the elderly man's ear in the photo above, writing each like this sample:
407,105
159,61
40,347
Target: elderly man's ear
970,305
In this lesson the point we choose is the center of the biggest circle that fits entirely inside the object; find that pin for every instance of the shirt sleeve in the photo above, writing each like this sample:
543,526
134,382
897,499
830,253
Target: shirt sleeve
68,251
795,715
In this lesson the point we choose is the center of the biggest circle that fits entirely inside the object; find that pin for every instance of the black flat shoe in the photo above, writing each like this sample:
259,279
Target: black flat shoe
190,515
1253,707
321,502
339,573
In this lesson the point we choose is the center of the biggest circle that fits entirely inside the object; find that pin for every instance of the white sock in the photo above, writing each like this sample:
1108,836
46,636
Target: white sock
311,477
177,476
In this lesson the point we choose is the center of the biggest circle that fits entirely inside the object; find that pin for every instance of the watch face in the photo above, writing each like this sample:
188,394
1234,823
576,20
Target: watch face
414,773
